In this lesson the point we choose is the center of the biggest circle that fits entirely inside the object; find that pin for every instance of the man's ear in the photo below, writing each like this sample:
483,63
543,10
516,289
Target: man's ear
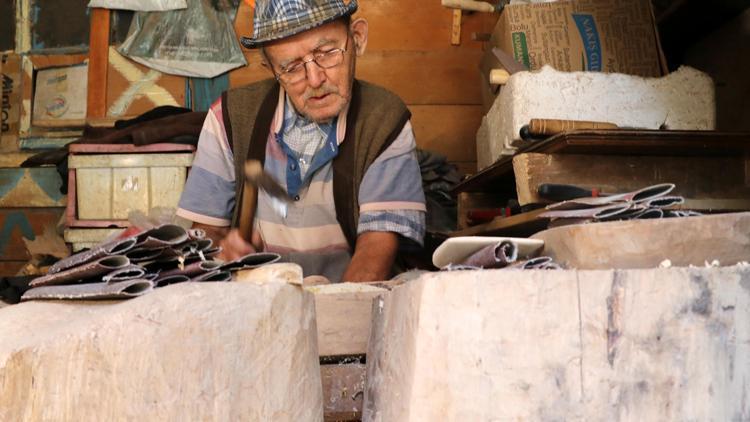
358,28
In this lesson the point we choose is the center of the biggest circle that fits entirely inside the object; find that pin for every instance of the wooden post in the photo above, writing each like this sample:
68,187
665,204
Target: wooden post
456,30
98,63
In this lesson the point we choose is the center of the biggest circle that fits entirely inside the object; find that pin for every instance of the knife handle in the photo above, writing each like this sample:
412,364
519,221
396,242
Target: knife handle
247,211
471,5
553,126
559,192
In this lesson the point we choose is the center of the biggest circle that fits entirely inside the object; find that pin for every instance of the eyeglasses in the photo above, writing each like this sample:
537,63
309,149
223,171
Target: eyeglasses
296,71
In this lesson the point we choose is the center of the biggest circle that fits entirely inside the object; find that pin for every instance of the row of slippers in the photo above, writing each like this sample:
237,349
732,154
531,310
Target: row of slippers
135,265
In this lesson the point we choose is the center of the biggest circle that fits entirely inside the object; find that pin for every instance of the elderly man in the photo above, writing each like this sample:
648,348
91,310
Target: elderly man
343,149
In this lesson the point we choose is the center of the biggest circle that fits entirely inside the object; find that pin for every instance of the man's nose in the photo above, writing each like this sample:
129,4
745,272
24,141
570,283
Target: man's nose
316,75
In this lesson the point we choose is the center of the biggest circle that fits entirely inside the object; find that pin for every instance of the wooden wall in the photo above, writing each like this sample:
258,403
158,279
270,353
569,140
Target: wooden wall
409,51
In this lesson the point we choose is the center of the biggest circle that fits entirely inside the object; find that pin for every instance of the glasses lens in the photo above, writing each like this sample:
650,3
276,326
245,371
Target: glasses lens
330,59
294,73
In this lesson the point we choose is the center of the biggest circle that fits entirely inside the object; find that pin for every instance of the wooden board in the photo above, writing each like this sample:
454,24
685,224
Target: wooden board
399,25
646,243
617,142
521,225
19,223
695,177
133,89
499,345
343,316
30,187
449,130
96,103
10,107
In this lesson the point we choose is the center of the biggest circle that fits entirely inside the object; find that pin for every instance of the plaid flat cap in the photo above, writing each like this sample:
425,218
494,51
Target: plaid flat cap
277,19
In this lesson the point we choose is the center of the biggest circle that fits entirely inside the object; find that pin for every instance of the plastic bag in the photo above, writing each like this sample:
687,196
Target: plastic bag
198,41
142,5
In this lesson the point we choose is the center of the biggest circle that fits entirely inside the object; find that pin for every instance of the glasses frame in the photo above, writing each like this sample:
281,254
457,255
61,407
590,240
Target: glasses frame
286,73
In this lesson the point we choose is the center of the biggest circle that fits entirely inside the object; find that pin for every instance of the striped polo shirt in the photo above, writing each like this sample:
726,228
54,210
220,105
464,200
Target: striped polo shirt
299,156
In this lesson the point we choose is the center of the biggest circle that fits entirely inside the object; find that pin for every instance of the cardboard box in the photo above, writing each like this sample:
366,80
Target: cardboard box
592,35
60,96
10,70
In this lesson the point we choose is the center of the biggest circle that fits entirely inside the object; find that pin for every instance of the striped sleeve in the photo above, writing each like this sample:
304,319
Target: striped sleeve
391,196
393,181
209,194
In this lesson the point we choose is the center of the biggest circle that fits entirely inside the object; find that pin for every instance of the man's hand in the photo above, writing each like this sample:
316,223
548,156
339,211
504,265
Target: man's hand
373,257
232,244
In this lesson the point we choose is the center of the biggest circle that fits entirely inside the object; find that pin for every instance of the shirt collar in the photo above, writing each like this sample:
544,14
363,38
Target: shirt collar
280,117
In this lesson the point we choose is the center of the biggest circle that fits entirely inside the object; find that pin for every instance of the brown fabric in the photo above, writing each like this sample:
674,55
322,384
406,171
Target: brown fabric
376,117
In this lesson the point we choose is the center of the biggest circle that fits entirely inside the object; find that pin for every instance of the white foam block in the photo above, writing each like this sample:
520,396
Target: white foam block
503,345
683,100
188,352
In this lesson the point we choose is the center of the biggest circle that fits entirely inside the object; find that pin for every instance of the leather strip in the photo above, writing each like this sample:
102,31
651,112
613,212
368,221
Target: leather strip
90,291
117,247
131,272
253,260
89,270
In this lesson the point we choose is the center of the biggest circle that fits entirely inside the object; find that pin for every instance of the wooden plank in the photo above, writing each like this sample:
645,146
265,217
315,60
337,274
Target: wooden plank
618,142
399,25
98,63
521,225
10,109
456,28
637,345
449,130
445,76
133,89
30,187
695,177
343,391
343,316
646,243
19,223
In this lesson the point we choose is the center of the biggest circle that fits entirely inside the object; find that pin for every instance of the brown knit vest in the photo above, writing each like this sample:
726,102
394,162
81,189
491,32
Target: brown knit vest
375,118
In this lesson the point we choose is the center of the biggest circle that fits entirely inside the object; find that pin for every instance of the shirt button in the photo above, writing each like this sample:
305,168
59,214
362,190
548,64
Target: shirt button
292,167
296,197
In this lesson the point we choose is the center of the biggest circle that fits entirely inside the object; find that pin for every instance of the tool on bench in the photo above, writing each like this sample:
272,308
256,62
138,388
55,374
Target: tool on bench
257,178
542,128
475,6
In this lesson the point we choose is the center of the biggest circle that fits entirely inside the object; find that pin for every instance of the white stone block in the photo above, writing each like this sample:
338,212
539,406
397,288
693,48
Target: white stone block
192,351
682,100
499,345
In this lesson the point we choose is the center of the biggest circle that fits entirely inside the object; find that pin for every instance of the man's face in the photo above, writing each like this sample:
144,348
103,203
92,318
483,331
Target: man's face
323,93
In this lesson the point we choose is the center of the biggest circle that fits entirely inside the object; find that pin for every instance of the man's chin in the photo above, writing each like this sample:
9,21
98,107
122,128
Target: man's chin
323,115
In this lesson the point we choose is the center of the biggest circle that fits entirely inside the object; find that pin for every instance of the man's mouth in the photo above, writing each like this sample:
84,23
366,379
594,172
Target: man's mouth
321,97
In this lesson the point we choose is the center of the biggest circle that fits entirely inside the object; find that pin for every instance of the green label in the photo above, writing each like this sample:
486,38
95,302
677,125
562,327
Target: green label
521,49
